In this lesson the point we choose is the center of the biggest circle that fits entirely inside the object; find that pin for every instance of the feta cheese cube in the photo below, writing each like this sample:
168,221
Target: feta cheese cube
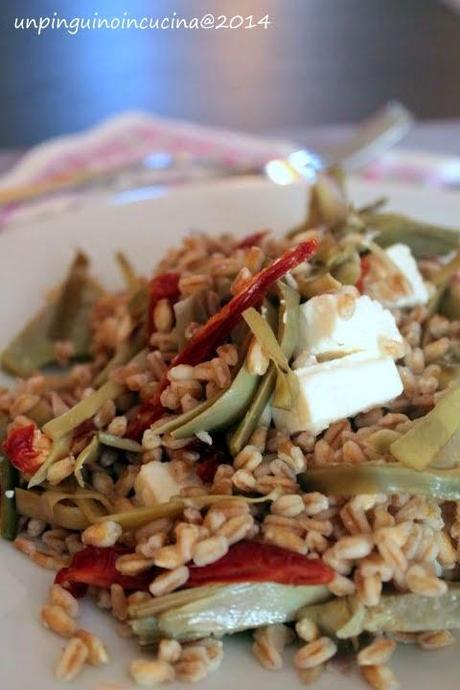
156,483
340,323
402,257
339,388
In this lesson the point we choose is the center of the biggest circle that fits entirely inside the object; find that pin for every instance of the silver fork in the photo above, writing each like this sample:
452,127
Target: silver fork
371,139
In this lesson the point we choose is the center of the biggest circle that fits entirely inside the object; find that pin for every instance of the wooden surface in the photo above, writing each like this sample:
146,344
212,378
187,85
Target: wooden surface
320,61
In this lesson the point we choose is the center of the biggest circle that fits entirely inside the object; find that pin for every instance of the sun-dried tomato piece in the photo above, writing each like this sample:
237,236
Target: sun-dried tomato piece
249,561
18,446
252,240
146,414
85,430
205,341
95,566
210,458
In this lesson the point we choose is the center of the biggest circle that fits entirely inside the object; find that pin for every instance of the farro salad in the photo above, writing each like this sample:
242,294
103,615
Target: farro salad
263,436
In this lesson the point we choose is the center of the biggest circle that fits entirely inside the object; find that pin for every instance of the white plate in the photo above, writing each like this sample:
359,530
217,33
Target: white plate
32,258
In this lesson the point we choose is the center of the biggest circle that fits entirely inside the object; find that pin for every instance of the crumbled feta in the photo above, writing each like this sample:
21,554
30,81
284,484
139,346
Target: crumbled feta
339,388
339,323
156,483
402,257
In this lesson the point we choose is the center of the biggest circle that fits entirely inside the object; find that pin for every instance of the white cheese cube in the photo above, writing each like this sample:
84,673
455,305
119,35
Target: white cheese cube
340,323
339,388
402,257
156,483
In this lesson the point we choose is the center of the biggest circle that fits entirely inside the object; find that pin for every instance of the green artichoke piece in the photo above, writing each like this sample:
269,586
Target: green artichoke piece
392,478
421,445
87,455
347,617
223,411
83,410
229,609
424,239
66,318
287,338
450,303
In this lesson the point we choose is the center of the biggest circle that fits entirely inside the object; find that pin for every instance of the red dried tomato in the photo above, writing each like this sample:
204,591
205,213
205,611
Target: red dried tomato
95,566
252,240
85,430
250,561
217,329
18,446
210,458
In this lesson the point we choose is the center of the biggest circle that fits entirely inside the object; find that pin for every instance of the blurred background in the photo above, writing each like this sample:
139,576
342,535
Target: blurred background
319,62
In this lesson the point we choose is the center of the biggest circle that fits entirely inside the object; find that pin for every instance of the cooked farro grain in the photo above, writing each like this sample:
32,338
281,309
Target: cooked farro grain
103,482
236,528
118,426
104,533
307,630
244,481
58,620
288,505
380,677
210,550
35,527
249,458
354,547
60,470
421,581
63,598
132,564
285,538
169,651
308,676
378,652
97,652
341,586
49,562
118,602
54,540
149,673
368,588
315,653
194,653
436,639
169,557
269,643
191,671
168,582
72,660
105,414
138,598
